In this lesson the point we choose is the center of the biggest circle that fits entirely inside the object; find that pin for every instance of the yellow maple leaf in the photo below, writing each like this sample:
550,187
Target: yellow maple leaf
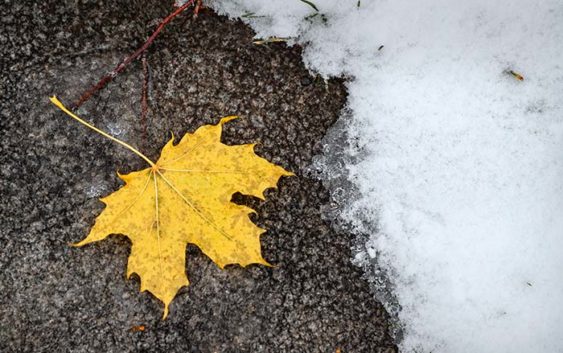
185,198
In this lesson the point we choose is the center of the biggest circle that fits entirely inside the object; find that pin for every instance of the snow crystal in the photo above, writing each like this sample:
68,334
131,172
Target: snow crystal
457,163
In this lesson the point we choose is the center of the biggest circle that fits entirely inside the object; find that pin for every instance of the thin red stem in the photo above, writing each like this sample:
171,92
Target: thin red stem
198,6
109,77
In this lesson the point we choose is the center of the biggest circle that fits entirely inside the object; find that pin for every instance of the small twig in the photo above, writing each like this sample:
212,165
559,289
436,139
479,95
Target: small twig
109,77
198,6
251,15
310,4
271,40
516,75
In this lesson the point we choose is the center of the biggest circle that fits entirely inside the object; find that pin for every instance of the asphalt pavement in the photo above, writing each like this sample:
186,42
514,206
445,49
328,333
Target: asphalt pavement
56,298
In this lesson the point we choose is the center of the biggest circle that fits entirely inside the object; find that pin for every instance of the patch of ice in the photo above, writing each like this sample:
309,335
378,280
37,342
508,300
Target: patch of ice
115,129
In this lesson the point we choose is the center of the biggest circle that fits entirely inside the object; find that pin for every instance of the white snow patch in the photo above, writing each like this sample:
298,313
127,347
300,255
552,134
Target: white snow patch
463,165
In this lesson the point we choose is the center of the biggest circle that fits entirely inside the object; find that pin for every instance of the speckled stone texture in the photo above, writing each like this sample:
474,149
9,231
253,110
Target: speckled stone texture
55,298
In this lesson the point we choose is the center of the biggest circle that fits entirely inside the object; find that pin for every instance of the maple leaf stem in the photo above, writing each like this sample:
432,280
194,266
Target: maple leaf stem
60,105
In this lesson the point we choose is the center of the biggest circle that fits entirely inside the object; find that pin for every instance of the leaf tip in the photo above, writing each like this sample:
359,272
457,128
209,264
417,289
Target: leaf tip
77,245
228,118
266,263
165,313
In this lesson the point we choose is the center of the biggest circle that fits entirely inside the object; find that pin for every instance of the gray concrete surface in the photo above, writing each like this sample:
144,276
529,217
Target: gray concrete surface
55,298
